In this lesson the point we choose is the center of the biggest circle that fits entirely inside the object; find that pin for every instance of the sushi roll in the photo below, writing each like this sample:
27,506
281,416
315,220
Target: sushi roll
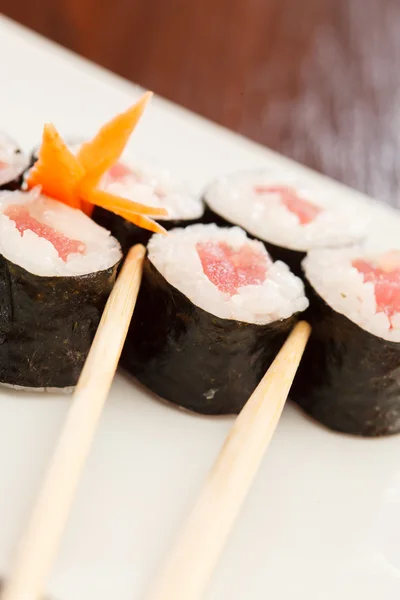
349,378
285,213
150,185
13,163
212,312
57,268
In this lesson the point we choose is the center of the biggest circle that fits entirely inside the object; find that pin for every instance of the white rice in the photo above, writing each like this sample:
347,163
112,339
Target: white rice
342,286
267,218
156,186
176,258
153,185
10,155
37,255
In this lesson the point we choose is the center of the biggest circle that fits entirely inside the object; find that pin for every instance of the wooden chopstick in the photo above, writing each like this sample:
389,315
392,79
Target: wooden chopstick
199,546
37,550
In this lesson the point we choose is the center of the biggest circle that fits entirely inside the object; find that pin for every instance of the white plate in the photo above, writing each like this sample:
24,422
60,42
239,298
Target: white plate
322,521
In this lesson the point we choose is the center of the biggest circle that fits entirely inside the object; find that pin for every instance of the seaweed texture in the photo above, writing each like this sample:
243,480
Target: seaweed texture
192,358
349,379
47,324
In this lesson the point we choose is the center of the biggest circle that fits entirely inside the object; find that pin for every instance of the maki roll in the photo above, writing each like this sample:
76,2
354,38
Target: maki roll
288,215
349,378
143,182
212,312
57,268
13,163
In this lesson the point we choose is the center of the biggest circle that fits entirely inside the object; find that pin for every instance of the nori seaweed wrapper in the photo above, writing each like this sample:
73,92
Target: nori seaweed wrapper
192,358
348,379
292,258
47,324
129,234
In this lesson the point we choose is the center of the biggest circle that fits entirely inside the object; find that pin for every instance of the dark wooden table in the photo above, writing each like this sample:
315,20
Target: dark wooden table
318,80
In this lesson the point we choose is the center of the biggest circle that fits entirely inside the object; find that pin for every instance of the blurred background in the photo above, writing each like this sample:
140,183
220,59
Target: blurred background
317,80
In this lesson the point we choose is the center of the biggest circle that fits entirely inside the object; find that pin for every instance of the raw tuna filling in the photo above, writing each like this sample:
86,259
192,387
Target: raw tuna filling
24,222
305,210
230,269
120,172
385,275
